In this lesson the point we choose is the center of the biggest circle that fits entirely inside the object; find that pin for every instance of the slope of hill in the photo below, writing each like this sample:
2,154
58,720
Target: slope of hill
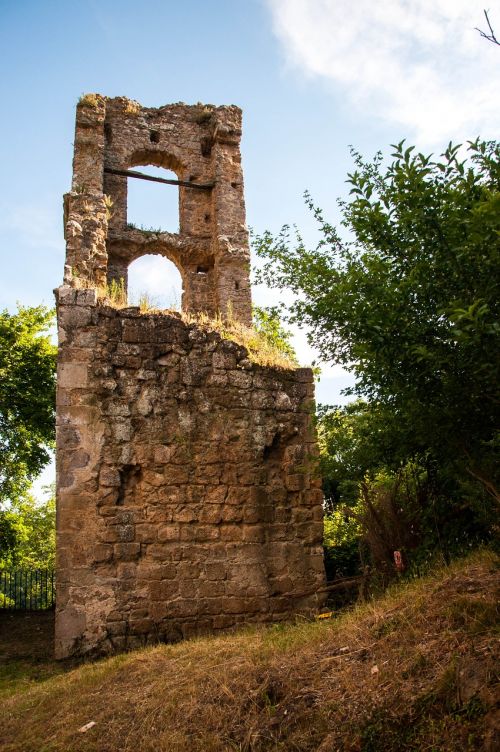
414,670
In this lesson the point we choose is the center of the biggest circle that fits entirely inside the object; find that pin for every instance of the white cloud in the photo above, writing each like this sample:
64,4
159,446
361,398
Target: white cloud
419,64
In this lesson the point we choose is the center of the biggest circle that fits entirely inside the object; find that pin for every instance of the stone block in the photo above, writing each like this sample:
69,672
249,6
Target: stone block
164,454
211,513
295,482
164,590
240,379
102,552
125,533
109,476
254,534
230,532
75,317
72,375
168,533
65,295
215,571
126,551
146,532
223,361
115,628
211,605
87,297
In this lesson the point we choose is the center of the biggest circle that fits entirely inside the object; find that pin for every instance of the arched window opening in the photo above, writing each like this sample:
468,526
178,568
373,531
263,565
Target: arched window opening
154,282
153,206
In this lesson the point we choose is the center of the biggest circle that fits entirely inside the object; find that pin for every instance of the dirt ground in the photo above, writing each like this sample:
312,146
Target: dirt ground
26,635
27,650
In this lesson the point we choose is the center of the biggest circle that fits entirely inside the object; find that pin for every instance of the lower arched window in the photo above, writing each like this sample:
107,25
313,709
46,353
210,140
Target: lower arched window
154,282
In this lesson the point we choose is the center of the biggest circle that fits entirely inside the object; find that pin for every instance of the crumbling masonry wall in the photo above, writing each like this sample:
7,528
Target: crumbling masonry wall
187,492
200,144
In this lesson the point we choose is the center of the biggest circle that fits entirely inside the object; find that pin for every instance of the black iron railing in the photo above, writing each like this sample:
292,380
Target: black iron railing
27,589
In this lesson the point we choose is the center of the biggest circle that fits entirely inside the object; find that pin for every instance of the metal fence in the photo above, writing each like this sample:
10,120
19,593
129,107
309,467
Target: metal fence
27,590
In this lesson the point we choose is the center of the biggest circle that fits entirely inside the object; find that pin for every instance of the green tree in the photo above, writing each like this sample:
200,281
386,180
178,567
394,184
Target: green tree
408,298
29,533
27,398
355,439
268,323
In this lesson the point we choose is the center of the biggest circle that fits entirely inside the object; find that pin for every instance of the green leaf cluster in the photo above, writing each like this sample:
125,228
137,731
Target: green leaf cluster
268,323
27,531
27,397
405,294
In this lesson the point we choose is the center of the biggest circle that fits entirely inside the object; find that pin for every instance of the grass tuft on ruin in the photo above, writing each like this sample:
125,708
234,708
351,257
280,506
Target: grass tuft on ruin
261,349
90,100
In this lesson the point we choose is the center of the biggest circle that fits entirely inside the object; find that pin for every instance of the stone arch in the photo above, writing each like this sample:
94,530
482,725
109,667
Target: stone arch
194,207
163,159
156,158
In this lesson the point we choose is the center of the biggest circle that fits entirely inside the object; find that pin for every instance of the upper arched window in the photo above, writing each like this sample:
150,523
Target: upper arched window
153,206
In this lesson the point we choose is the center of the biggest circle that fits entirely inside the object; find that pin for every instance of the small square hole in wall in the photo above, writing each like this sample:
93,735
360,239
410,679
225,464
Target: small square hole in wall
202,270
154,137
236,285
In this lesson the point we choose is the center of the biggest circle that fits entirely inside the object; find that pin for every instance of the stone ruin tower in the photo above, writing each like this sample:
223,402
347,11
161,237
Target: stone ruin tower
187,493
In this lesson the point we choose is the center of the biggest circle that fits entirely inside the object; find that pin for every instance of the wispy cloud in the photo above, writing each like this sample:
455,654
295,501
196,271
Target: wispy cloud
419,64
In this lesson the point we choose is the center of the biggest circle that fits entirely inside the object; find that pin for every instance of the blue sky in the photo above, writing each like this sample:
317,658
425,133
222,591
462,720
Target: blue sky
312,77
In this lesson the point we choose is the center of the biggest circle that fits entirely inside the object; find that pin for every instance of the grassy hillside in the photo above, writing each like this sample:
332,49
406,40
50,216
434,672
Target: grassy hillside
414,670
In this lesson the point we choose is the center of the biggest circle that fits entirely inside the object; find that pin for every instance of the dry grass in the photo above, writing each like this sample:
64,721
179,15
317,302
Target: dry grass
114,294
411,671
90,100
260,349
132,107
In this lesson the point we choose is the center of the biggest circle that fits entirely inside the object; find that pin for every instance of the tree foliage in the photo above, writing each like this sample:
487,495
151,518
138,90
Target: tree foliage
27,398
406,296
268,323
355,440
27,531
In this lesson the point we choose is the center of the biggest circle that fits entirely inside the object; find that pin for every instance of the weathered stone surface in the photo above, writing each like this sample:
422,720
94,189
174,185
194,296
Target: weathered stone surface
200,144
188,498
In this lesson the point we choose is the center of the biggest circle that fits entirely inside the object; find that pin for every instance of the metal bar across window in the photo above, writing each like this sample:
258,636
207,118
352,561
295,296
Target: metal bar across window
143,176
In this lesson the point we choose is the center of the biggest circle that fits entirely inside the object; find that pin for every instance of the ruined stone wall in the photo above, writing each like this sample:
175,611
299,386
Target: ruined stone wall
187,494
